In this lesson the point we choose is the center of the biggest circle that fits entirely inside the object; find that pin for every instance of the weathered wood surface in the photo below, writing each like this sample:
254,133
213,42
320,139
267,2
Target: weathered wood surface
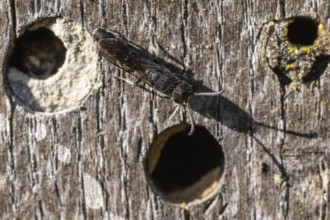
53,166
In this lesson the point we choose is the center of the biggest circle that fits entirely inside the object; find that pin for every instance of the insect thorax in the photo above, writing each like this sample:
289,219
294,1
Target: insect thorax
182,92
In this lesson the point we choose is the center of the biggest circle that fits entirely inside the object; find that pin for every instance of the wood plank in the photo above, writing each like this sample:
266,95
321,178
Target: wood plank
89,162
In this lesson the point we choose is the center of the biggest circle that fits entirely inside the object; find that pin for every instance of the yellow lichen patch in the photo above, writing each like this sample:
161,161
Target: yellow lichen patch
307,49
294,88
289,66
291,49
294,47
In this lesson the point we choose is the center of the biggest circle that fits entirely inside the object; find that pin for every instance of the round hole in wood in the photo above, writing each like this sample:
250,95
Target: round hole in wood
38,53
182,168
53,66
302,31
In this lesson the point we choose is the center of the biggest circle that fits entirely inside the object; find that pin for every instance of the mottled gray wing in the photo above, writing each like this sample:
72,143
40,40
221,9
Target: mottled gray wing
121,53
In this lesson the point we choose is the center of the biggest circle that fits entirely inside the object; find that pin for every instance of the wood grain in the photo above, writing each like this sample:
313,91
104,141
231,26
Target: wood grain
273,171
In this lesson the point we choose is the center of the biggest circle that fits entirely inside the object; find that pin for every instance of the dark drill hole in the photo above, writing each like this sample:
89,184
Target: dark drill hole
185,162
38,53
302,31
265,168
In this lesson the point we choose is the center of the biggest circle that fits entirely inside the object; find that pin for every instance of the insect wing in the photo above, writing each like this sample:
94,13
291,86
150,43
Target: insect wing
150,71
158,77
121,53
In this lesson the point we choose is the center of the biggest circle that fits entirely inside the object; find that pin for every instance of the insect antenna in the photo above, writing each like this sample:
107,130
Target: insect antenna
208,93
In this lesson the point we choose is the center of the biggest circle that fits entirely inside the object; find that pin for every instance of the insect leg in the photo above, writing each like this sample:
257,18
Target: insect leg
130,82
192,121
174,110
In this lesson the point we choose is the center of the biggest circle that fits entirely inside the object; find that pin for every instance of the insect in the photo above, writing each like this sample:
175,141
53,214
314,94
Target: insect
132,58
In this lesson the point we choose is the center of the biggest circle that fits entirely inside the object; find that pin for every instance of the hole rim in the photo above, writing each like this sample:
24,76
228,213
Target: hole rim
14,99
298,25
36,36
154,153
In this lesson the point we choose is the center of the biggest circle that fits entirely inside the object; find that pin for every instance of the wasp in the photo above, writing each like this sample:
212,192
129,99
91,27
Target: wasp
136,60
